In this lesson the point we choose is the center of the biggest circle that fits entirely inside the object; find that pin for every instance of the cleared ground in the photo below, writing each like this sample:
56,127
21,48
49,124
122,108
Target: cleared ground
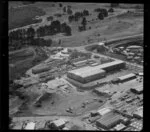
22,60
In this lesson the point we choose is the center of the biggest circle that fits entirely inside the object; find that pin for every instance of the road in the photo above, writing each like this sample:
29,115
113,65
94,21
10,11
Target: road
108,41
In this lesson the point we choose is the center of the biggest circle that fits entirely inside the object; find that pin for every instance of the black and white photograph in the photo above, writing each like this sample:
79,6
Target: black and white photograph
75,66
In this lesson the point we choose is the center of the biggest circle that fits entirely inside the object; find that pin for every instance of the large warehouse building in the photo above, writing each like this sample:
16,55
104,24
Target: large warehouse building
88,74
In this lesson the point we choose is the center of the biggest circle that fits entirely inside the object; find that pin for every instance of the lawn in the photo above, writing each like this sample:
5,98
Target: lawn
23,16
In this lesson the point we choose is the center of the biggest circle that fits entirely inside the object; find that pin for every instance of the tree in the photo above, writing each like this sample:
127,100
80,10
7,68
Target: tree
86,13
63,27
104,12
77,15
84,23
68,30
111,10
100,16
80,28
31,33
69,11
64,9
71,18
55,26
50,18
60,5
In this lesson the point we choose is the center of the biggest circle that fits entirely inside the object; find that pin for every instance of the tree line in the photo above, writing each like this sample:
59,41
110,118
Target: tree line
24,37
54,28
78,15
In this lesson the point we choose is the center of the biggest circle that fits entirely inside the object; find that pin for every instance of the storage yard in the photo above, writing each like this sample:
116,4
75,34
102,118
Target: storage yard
127,50
95,86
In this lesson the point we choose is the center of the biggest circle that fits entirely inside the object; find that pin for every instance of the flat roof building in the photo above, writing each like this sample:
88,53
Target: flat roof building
88,73
138,113
127,77
119,127
137,90
108,121
59,123
104,111
30,126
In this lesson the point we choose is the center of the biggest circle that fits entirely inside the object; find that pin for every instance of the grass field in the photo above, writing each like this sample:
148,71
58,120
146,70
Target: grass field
22,16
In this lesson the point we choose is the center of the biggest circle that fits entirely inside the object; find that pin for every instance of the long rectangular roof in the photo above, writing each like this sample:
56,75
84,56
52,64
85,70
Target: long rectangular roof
103,111
127,76
88,70
109,119
110,64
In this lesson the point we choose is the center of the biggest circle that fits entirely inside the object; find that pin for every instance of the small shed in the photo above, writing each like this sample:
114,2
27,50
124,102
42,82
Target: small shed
30,126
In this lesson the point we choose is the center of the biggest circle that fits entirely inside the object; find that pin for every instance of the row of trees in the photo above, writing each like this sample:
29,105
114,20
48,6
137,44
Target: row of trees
102,13
83,25
22,37
78,15
68,10
54,28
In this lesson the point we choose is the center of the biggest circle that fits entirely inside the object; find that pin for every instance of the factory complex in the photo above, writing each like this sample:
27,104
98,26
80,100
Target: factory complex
88,74
105,93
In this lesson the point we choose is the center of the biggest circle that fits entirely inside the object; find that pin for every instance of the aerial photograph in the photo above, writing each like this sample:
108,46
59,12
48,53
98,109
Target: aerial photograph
75,66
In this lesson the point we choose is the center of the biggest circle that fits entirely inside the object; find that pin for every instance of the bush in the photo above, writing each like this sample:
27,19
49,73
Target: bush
71,18
50,18
100,16
86,13
60,5
69,11
111,10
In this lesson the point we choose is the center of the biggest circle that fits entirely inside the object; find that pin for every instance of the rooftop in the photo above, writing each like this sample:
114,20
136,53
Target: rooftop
103,111
109,118
30,126
139,112
59,122
109,64
138,88
127,76
119,127
87,71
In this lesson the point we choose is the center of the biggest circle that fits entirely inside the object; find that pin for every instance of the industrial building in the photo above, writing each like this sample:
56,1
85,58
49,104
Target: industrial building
58,124
138,113
86,74
119,127
30,126
104,111
127,77
137,124
137,90
80,63
41,69
100,92
117,64
108,121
